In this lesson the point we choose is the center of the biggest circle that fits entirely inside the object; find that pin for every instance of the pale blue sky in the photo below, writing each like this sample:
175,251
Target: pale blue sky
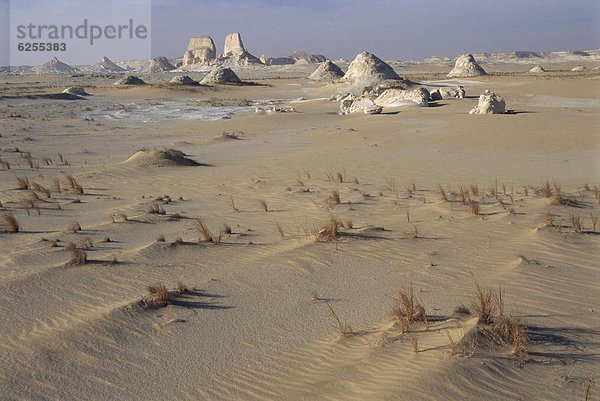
392,29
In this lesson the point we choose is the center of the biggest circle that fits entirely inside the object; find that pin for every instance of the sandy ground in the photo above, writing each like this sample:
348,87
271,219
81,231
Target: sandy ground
256,323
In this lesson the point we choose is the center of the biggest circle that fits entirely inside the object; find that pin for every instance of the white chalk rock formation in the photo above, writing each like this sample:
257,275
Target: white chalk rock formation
489,103
368,69
130,80
183,80
221,75
466,66
71,90
160,64
435,95
400,97
327,71
362,105
578,68
234,52
54,66
200,50
537,69
106,65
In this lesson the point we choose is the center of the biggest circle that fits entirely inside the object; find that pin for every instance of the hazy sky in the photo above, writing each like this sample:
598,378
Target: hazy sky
392,29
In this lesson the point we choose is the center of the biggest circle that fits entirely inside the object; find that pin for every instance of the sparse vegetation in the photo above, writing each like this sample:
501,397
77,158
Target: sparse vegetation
594,219
576,224
73,228
23,183
343,328
406,310
203,231
546,189
9,223
231,204
263,205
78,257
474,208
155,208
280,230
73,184
158,296
442,193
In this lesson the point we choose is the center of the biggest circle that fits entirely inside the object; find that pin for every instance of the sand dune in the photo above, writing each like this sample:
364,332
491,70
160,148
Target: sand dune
256,323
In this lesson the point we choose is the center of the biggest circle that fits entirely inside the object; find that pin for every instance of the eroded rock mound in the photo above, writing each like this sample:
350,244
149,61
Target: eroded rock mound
200,50
234,52
54,66
578,68
466,66
221,75
106,65
71,90
368,69
399,98
327,71
130,80
489,103
183,80
537,69
160,64
160,158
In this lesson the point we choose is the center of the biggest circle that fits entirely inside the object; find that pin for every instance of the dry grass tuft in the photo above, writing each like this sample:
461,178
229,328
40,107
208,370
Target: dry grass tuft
73,228
474,189
334,198
576,224
9,223
155,208
23,183
330,231
231,204
203,231
414,340
474,208
181,288
280,230
73,184
442,193
406,310
462,348
158,296
546,189
484,306
263,205
588,389
594,219
226,229
343,328
78,257
160,238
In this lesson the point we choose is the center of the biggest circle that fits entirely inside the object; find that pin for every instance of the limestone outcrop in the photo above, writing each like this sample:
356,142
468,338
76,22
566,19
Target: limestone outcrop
489,103
465,66
54,66
364,105
221,75
130,80
200,50
71,90
399,98
160,64
327,71
368,69
106,65
537,69
183,80
234,52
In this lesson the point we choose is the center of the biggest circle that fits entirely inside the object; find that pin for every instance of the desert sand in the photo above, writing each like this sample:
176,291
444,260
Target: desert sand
190,188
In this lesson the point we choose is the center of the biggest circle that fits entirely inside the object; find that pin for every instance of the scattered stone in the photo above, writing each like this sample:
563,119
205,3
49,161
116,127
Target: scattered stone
578,68
359,105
